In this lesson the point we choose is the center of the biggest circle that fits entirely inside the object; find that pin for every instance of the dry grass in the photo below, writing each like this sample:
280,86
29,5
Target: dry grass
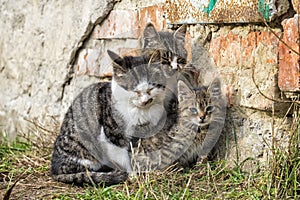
24,174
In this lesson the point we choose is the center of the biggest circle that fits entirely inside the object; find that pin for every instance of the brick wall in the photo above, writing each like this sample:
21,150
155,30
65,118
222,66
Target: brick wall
288,75
243,47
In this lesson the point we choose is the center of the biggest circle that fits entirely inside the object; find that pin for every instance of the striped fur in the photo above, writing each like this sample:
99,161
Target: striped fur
78,155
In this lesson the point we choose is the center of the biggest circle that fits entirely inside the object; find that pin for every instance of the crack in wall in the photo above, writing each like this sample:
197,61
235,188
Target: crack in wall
74,54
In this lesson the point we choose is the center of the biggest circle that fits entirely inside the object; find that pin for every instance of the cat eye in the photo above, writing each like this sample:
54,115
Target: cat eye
139,93
157,85
149,90
209,109
181,61
194,111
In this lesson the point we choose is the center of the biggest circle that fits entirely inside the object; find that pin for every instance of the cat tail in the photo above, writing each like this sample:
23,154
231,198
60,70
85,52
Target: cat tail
106,178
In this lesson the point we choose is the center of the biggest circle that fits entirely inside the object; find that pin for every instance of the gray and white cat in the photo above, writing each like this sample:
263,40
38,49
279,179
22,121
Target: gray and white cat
170,45
95,135
142,96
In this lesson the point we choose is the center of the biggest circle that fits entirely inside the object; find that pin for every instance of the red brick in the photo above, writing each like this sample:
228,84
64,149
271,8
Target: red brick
239,50
248,45
153,14
120,24
124,24
235,54
225,50
288,75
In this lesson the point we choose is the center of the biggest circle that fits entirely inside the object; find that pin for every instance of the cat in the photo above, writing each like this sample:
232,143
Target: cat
78,154
211,109
169,47
95,135
161,150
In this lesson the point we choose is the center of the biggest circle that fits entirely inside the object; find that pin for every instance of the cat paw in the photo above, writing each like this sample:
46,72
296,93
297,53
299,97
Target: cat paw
132,175
202,160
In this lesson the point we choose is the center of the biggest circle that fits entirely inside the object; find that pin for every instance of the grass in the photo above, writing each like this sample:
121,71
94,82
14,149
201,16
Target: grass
24,174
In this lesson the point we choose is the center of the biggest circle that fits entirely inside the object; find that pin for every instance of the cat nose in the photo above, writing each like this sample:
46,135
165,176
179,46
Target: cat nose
201,116
174,65
148,101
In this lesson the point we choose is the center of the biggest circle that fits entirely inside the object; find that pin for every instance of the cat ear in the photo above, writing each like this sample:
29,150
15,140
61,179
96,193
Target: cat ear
180,33
115,57
183,91
151,37
118,63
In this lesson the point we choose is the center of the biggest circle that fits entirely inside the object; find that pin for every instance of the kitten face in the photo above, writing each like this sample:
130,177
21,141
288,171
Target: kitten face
170,46
200,111
144,83
188,103
146,93
139,93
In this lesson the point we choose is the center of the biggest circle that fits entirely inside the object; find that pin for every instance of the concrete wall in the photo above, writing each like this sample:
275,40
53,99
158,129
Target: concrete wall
37,42
51,50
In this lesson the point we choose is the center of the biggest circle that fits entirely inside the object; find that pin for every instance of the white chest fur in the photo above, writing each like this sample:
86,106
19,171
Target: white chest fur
115,155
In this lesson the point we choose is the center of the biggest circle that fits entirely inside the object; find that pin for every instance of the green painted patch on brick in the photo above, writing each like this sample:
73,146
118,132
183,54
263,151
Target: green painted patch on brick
210,7
264,9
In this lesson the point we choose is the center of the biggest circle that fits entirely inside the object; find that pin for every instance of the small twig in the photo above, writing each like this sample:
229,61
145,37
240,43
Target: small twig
186,187
283,42
269,98
9,191
39,126
88,172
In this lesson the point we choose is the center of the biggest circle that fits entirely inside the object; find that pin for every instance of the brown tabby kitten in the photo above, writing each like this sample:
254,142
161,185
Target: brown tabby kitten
211,111
93,143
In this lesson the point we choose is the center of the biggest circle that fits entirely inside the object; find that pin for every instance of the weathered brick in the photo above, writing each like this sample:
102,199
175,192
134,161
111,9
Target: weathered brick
153,14
88,62
120,24
236,53
288,75
121,47
238,50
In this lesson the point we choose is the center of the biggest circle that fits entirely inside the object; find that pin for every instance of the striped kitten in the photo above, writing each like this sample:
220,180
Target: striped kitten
211,111
169,48
95,135
169,45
